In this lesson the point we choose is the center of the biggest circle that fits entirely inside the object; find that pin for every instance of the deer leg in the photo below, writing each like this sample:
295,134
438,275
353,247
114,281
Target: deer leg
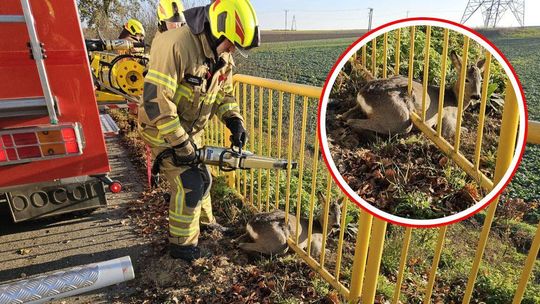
366,124
251,247
349,113
244,237
265,249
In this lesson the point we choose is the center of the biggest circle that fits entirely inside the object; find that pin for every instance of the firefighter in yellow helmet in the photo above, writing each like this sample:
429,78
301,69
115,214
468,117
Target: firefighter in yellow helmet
133,30
188,82
170,15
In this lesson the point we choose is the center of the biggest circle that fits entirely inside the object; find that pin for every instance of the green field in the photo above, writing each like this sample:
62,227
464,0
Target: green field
306,62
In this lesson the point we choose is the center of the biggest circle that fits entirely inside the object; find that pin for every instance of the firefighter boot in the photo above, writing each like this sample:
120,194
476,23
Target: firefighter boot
187,253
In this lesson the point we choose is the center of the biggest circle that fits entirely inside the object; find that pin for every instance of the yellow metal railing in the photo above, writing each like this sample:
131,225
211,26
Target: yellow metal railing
364,266
292,107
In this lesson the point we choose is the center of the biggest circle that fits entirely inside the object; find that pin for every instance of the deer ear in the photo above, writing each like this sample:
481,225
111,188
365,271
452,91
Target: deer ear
456,60
342,201
321,198
481,64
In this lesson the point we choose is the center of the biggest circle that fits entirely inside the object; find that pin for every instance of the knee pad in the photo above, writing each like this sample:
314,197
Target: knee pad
207,179
193,184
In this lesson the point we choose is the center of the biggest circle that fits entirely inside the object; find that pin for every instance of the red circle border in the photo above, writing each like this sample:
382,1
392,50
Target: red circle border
333,70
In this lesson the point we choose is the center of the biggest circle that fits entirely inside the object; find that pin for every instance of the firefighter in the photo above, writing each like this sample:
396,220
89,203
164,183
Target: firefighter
133,30
170,15
190,80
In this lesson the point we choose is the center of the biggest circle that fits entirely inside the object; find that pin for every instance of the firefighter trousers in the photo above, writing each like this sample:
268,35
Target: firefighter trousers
190,201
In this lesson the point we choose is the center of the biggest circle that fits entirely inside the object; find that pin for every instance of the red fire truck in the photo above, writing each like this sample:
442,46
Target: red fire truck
53,157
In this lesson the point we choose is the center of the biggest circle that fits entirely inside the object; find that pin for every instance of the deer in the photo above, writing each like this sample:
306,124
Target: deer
268,232
388,106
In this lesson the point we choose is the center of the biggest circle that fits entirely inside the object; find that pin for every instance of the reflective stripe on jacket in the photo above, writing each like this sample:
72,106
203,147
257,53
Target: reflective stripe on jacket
180,92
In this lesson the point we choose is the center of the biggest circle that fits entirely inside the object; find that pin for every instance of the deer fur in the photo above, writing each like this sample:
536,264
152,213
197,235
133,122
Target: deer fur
268,231
387,104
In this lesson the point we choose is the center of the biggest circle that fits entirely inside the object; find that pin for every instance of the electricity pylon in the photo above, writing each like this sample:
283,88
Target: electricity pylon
493,10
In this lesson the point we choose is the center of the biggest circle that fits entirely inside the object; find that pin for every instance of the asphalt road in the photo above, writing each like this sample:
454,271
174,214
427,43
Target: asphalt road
37,247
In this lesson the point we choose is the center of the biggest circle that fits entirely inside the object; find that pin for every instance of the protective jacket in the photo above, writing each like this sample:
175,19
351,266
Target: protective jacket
185,85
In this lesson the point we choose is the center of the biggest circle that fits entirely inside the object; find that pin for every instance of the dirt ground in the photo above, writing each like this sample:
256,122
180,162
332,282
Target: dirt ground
31,248
229,275
135,224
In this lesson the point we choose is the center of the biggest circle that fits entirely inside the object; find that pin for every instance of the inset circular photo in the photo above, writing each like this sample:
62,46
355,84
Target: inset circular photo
422,122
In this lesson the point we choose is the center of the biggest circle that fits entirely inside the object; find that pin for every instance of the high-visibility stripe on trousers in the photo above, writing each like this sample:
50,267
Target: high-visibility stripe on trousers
190,201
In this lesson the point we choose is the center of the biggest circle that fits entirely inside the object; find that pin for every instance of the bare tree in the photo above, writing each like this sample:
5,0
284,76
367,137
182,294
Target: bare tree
108,15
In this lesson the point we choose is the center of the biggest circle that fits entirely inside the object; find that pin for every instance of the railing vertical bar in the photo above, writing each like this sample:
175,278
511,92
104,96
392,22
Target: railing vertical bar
290,145
314,176
426,72
360,256
505,151
216,131
435,263
482,114
411,60
443,82
217,136
230,176
269,145
219,129
341,238
385,55
364,55
280,123
211,140
402,263
237,93
461,95
246,117
252,143
374,57
301,167
376,245
528,267
211,129
397,50
260,150
215,128
326,209
222,132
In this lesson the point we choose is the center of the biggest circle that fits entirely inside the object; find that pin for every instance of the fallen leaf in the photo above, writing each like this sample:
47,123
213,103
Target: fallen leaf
24,251
443,161
333,297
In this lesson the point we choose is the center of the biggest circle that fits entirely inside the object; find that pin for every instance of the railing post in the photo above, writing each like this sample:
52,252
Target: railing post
376,245
505,152
360,255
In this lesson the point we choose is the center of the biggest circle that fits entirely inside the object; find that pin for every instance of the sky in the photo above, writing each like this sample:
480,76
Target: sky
350,14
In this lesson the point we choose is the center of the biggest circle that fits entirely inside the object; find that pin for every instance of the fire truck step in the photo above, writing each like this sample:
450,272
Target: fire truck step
108,125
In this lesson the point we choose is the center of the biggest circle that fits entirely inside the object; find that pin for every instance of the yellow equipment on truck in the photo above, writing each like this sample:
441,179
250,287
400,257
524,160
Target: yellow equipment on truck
118,77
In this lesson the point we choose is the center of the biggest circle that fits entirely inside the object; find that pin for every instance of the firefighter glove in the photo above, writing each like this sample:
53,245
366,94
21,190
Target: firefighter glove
185,153
239,134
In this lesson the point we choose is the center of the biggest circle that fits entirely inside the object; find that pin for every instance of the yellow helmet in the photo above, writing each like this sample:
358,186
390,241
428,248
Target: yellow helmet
134,27
236,21
171,11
